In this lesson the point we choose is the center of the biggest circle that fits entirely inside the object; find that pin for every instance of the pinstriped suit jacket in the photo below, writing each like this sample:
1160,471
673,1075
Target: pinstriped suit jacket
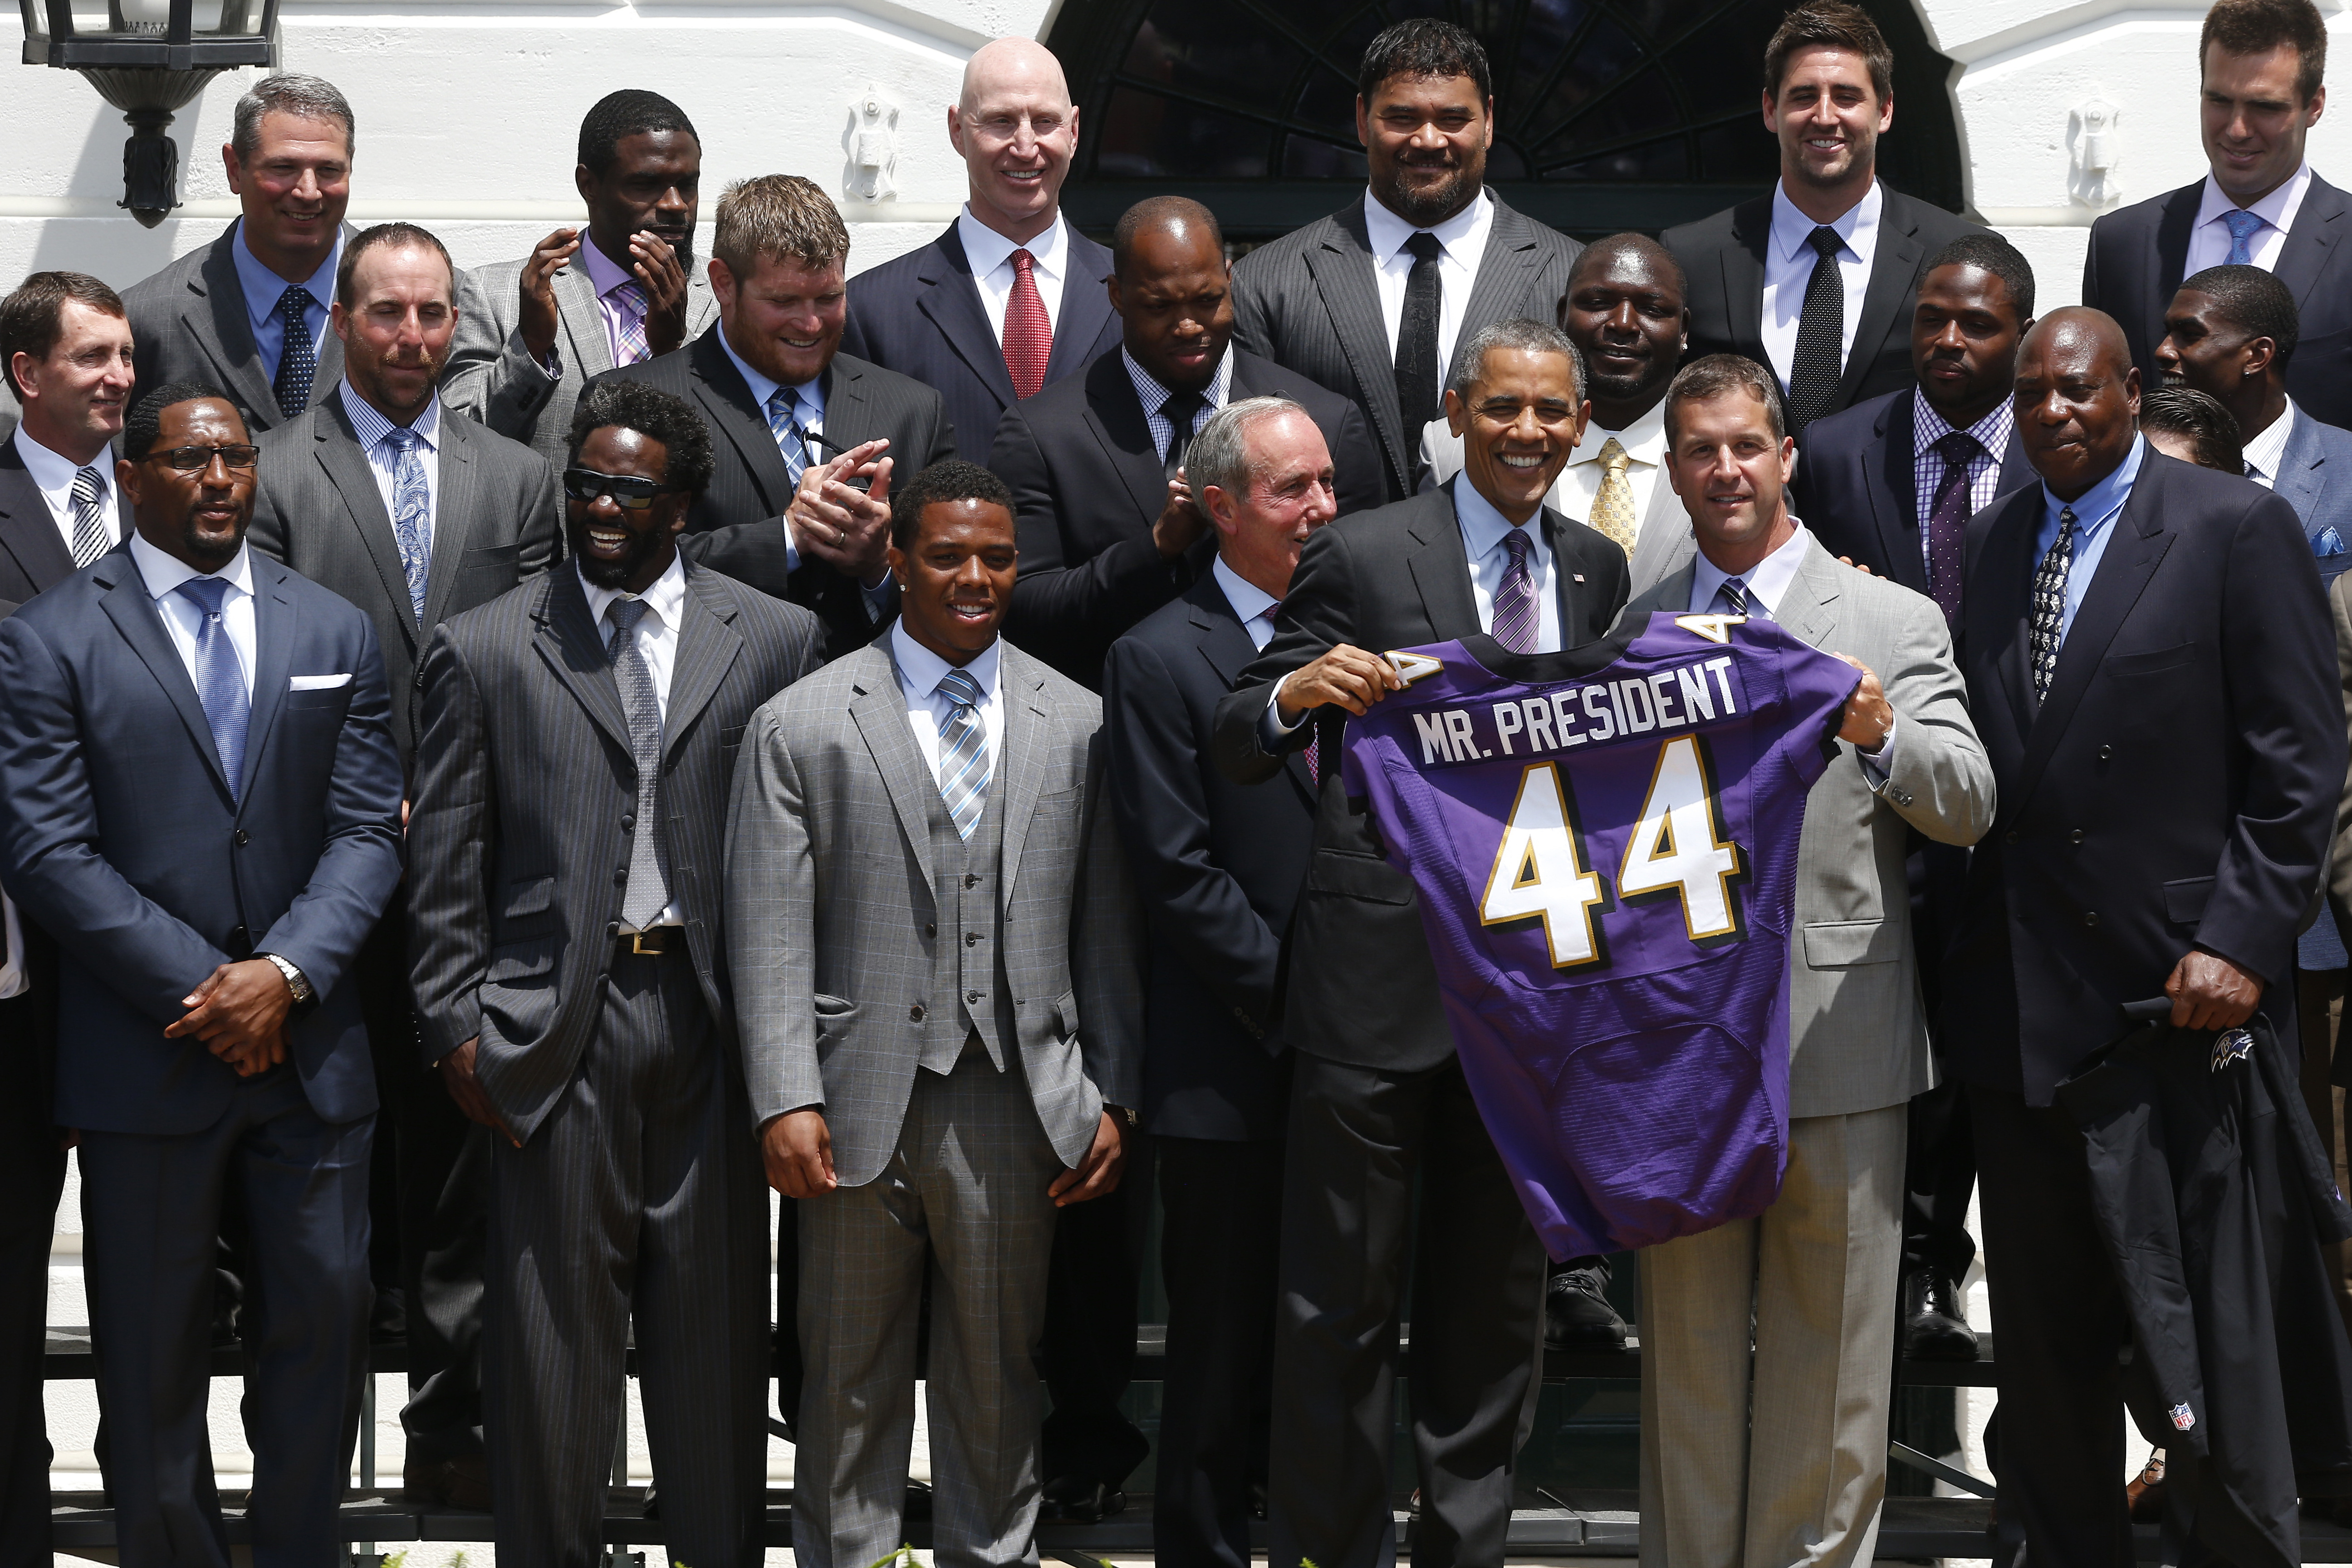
832,919
524,777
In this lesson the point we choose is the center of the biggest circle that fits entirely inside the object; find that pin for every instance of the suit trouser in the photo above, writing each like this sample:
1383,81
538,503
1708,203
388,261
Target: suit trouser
967,1188
1940,1161
2061,1322
151,1206
1793,1471
1220,1251
2319,1016
1088,1350
32,1174
1360,1138
640,1193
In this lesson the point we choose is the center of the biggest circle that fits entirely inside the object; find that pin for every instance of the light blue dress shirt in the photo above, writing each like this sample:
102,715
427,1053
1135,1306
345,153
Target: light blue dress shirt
1483,531
2096,511
263,288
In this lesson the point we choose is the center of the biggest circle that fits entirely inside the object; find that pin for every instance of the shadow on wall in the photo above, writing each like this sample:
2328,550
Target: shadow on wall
114,247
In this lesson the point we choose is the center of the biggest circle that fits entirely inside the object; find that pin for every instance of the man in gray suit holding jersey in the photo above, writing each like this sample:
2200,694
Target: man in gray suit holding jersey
935,951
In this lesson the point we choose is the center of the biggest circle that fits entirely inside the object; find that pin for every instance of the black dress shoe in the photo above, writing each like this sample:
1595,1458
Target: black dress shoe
1577,1316
1074,1500
1934,1327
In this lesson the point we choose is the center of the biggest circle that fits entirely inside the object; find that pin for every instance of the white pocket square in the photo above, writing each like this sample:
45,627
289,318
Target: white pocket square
320,683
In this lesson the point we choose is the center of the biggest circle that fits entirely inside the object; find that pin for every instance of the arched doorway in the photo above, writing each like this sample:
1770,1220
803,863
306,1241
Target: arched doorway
1613,114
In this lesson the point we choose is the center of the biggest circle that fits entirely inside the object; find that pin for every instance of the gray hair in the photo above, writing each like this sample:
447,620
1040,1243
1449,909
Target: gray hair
305,98
1528,337
1220,456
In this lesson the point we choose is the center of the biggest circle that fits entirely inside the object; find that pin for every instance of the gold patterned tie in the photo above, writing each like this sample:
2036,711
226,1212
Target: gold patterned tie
1613,506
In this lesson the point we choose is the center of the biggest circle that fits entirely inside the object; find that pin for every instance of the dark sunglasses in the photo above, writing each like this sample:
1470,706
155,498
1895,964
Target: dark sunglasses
196,459
630,493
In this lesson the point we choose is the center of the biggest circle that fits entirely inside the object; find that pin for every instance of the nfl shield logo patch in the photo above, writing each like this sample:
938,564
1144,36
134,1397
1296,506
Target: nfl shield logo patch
2183,1417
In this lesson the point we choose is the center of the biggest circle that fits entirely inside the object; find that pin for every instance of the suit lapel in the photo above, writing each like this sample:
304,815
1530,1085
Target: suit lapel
584,323
726,400
2319,226
1742,266
2301,474
1568,583
1086,308
27,531
879,711
847,419
568,641
1894,263
275,625
1342,269
2000,582
1115,419
2016,473
1894,501
453,514
1510,260
1440,567
134,615
1225,647
707,647
1808,608
1021,704
2169,261
951,299
338,449
218,322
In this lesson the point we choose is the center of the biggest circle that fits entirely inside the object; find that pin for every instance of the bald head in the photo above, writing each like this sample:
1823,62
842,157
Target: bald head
2077,399
1170,223
1171,288
1016,131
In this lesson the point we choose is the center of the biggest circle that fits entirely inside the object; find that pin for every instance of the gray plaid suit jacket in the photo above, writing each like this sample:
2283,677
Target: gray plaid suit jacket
832,918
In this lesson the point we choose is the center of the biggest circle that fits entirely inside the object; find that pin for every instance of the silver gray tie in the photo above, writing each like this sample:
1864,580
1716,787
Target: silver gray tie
91,537
648,891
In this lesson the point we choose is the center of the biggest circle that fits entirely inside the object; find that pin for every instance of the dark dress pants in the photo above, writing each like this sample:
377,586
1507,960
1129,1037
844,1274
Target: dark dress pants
152,1207
32,1174
2060,1316
1941,1157
1360,1139
1088,1350
1220,1250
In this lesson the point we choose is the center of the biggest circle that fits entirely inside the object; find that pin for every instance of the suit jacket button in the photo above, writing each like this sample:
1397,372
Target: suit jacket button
2106,752
970,881
2090,917
629,823
2010,837
972,997
612,930
915,1013
929,929
243,838
621,877
2075,837
971,938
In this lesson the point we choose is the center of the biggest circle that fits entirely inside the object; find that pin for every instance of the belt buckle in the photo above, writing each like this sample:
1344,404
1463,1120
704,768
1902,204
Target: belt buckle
638,944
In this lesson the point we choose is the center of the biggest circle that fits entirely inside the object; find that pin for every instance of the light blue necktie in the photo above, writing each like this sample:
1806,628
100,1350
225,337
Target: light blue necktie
784,423
963,754
411,513
2243,226
220,680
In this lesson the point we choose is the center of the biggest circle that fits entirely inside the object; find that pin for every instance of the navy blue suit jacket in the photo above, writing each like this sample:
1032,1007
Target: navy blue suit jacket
120,836
1855,487
2176,788
920,316
2315,476
1219,866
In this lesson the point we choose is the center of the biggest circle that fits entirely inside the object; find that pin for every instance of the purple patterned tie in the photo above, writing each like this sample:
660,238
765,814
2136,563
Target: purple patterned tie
629,324
1947,525
1514,607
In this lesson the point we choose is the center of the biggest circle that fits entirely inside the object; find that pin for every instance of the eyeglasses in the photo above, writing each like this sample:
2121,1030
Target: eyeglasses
196,459
628,492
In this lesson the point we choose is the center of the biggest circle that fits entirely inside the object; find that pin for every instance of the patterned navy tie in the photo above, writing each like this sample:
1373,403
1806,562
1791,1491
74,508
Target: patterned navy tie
220,679
1516,619
963,753
298,359
411,513
2050,603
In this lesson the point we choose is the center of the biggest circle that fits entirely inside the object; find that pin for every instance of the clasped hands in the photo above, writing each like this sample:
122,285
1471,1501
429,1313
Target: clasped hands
797,1149
835,522
239,1011
652,262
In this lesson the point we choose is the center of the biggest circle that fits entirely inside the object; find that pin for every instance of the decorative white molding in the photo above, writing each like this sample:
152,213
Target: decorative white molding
2095,151
873,145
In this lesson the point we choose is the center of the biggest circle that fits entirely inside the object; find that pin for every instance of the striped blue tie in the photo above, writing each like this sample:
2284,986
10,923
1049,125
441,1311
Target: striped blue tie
784,425
963,754
220,680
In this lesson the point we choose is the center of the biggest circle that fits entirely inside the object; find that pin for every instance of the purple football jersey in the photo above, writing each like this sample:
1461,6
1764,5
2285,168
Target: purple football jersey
1605,846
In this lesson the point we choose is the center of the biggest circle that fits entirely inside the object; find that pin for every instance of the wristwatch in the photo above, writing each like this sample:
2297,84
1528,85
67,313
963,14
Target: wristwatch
295,981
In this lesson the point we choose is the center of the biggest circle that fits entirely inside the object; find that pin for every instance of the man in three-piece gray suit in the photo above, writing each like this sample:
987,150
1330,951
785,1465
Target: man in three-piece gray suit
531,332
936,948
1796,1475
578,737
385,494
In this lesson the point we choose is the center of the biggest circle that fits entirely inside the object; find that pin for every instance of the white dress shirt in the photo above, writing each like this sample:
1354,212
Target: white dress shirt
1253,604
919,674
2266,449
657,646
54,476
1483,531
1464,239
1154,398
1789,259
383,457
2209,241
181,619
992,272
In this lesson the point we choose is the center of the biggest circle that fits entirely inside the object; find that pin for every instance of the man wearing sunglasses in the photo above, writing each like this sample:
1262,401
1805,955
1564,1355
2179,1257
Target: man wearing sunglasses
385,494
203,806
577,743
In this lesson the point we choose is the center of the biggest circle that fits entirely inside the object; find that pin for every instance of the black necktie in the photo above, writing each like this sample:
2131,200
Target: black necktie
297,357
1180,410
2050,603
1821,335
1948,523
1416,346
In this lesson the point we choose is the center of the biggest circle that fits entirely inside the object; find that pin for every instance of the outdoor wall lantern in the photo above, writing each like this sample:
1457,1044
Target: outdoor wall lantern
147,58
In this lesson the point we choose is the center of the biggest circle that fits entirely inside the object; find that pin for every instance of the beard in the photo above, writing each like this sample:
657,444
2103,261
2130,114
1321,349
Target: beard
643,548
209,553
1428,206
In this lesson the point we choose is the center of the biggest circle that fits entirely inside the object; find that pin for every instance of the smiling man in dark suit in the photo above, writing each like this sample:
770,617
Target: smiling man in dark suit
1109,527
1377,1091
779,395
1219,866
65,346
249,312
1834,334
1011,298
1376,300
2262,68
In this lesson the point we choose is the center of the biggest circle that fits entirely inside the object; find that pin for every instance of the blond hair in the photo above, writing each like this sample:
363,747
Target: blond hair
782,216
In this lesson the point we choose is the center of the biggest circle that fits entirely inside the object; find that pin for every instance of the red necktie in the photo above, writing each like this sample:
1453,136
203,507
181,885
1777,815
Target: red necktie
1028,331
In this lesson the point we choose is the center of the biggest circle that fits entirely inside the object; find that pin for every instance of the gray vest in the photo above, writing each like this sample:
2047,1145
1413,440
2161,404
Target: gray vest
968,959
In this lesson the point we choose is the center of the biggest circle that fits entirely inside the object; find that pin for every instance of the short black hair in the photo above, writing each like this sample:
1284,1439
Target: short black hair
654,413
1423,46
146,421
389,237
632,112
1991,253
1154,212
2256,302
2257,27
1627,244
952,479
2211,429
